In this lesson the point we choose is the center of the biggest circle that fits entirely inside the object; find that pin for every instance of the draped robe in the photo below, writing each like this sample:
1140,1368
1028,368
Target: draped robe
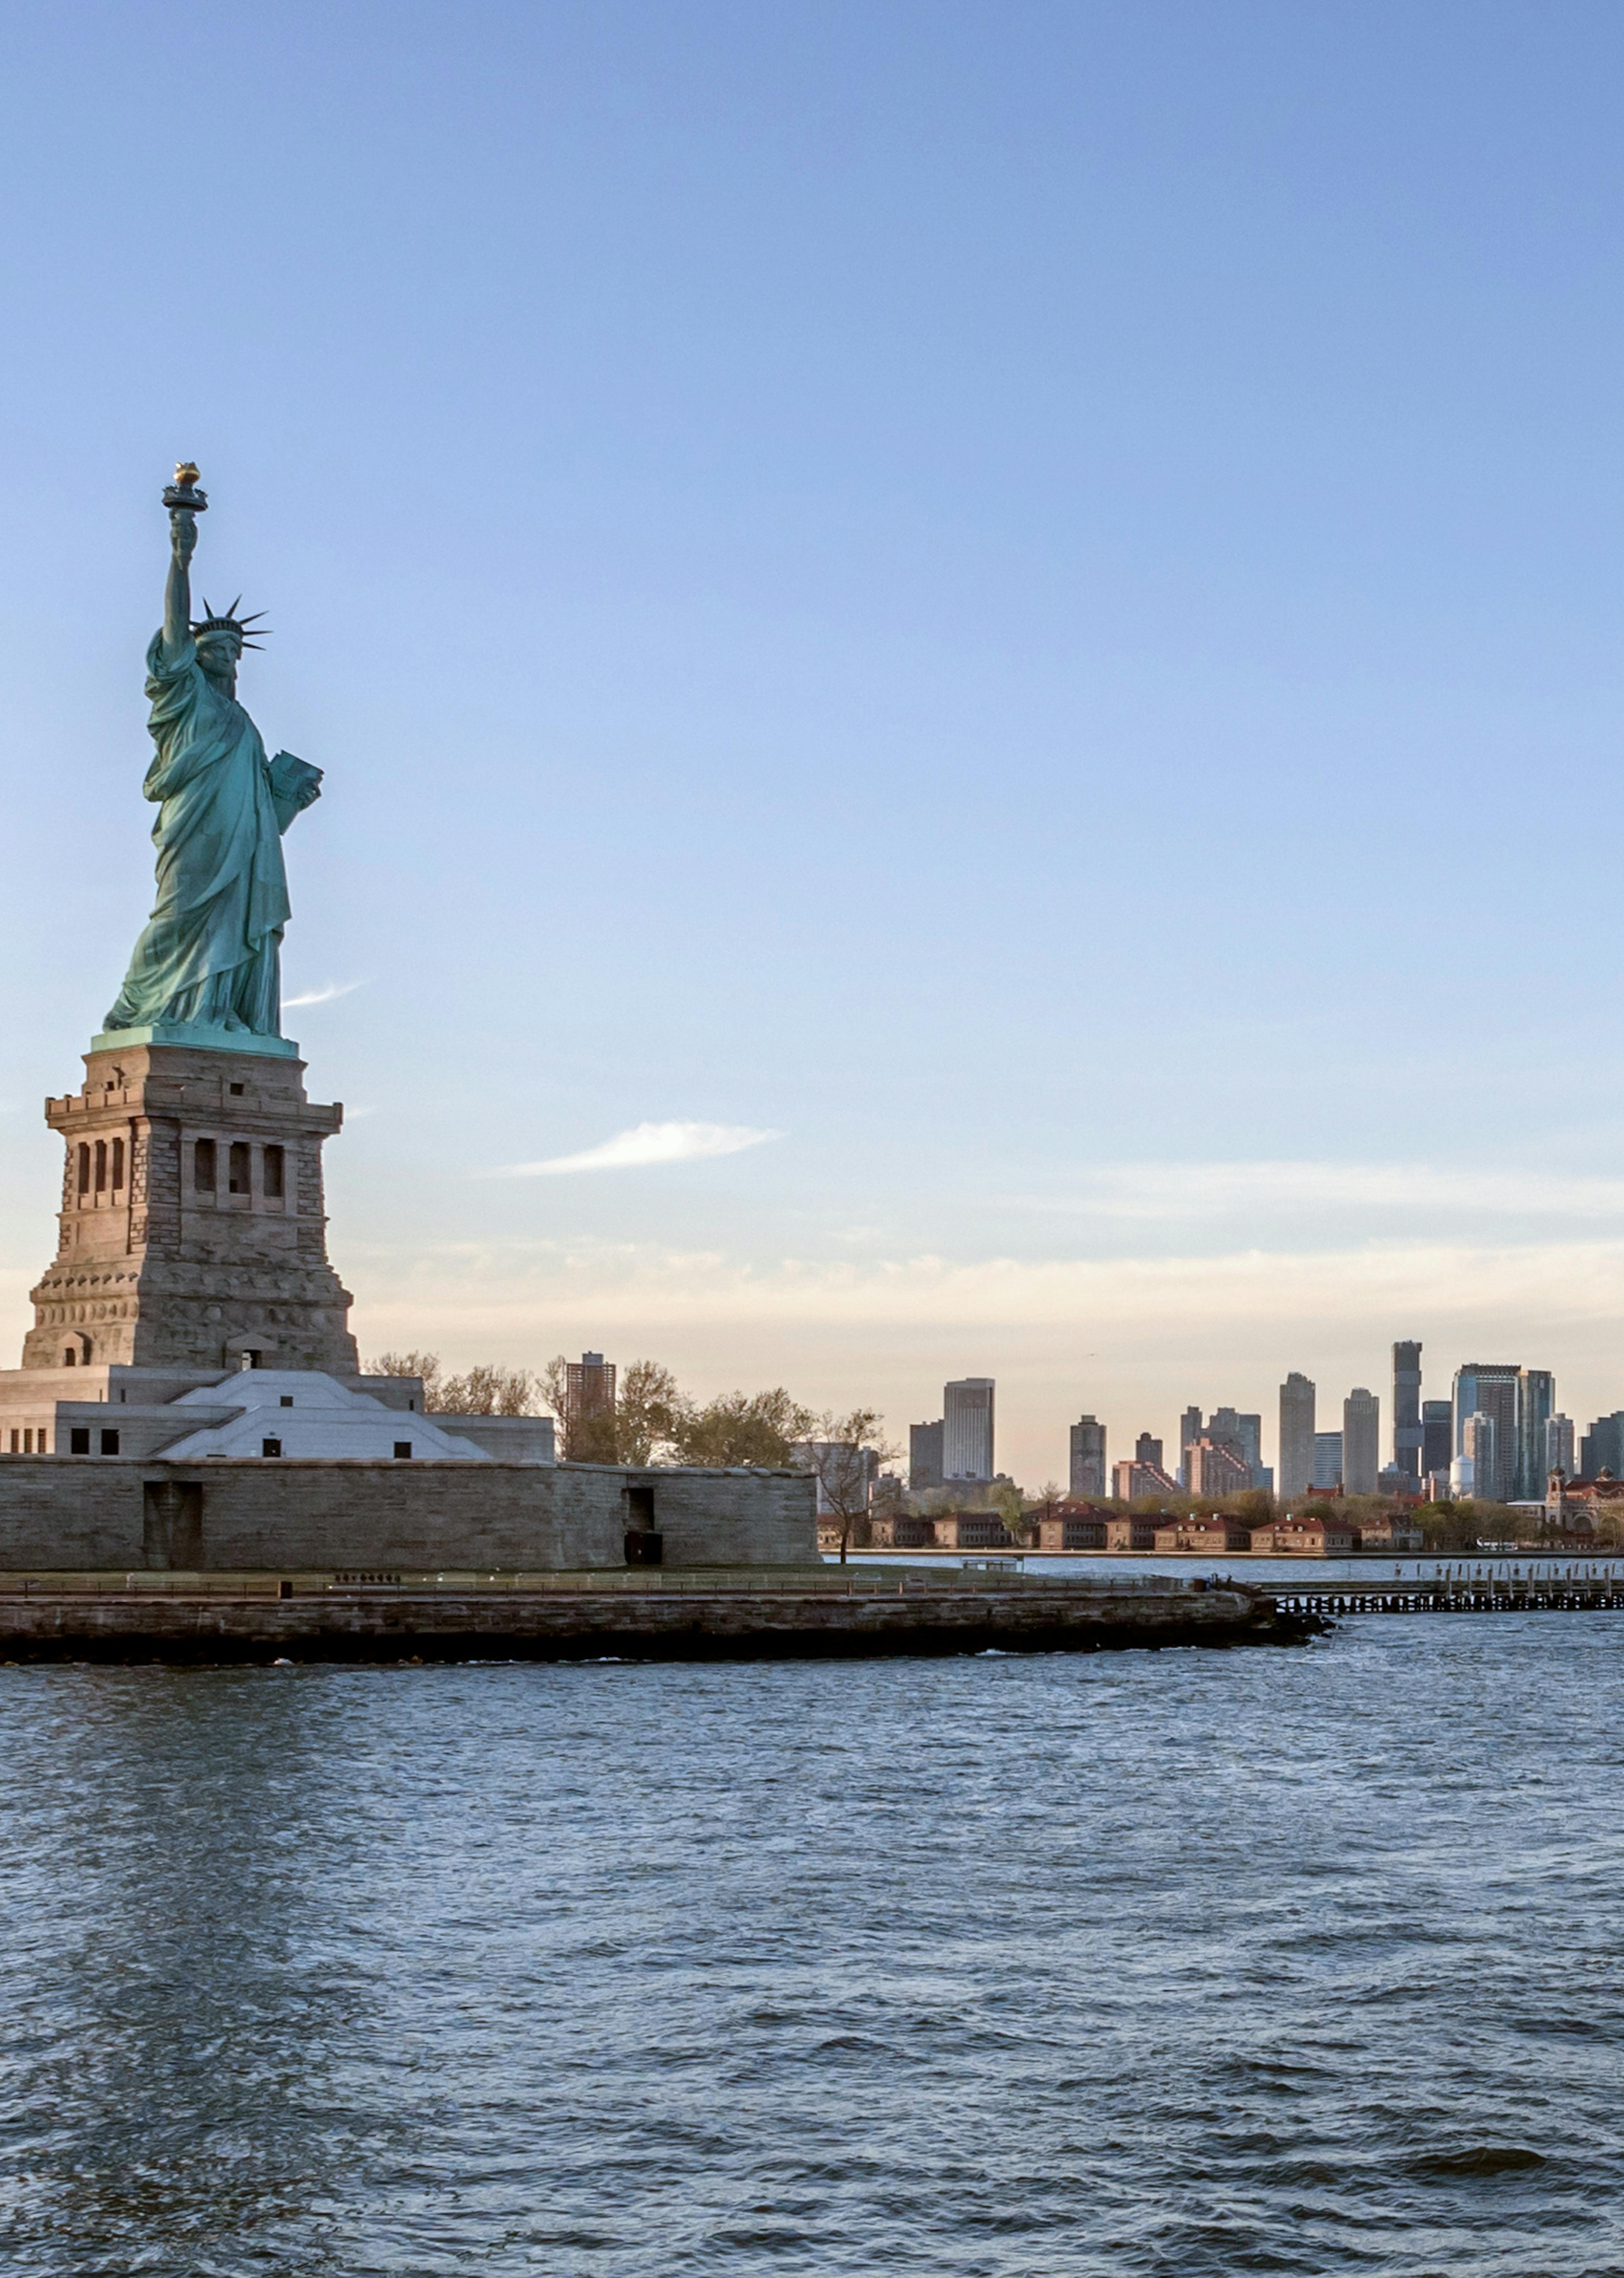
210,954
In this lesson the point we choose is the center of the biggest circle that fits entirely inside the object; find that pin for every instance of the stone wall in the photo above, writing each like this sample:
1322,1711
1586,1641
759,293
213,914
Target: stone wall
60,1513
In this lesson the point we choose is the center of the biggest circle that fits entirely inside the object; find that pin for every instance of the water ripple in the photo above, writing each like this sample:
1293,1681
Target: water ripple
1004,1968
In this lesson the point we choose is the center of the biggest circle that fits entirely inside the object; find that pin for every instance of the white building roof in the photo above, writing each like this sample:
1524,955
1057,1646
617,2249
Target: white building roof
308,1414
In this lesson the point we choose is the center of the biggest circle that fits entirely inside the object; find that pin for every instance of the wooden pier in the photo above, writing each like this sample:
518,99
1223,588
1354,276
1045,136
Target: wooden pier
1571,1590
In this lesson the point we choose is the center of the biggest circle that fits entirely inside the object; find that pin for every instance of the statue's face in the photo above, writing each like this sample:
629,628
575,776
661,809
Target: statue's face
218,653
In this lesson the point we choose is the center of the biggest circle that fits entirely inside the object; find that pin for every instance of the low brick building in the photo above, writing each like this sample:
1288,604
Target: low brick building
1132,1530
1399,1533
1073,1526
1308,1538
1206,1537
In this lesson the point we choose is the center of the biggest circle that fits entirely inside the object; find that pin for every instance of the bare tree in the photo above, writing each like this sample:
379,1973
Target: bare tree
426,1365
844,1453
489,1389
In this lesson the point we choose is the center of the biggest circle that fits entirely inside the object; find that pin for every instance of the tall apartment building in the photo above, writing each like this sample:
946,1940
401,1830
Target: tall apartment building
1147,1449
1601,1447
1228,1427
1189,1431
1361,1441
1130,1477
924,1456
1476,1471
1297,1405
1088,1459
1406,1411
1437,1424
1559,1446
1535,1406
967,1429
1490,1388
1326,1462
589,1409
1217,1468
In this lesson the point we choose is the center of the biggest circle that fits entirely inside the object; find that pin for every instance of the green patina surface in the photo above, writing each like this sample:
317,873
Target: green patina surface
206,970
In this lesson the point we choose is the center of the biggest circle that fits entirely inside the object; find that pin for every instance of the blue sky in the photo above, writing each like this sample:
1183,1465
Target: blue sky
1026,598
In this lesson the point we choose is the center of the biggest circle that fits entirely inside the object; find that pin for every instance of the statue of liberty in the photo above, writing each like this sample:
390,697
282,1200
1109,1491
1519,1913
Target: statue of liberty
209,957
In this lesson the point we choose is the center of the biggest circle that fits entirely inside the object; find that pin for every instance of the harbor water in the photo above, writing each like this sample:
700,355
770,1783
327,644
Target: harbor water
1299,1961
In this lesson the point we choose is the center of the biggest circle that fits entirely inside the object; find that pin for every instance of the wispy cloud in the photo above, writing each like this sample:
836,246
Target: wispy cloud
647,1143
322,996
1187,1190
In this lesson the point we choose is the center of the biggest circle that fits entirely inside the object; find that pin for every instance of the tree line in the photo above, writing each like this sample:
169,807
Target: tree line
654,1421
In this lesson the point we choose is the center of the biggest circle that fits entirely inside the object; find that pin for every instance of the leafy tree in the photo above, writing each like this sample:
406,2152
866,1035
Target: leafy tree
758,1428
645,1412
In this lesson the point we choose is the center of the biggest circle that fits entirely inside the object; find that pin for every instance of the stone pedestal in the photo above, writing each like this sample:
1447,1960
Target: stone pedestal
193,1228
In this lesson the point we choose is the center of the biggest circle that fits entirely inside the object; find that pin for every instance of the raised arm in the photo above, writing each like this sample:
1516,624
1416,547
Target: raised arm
178,592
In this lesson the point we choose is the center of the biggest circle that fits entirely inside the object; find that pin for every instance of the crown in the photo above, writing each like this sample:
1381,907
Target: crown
229,622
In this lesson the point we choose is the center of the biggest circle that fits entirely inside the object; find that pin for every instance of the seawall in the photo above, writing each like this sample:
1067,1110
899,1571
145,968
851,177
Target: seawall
811,1614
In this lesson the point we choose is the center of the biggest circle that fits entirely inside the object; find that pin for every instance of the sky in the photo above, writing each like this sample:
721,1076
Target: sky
967,658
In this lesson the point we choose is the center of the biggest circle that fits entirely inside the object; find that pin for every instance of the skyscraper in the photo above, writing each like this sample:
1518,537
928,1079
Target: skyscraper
1476,1469
1188,1430
1438,1418
1407,1410
1535,1406
1490,1388
1559,1446
1147,1450
1361,1441
924,1456
1601,1447
1088,1458
1327,1460
1297,1400
967,1428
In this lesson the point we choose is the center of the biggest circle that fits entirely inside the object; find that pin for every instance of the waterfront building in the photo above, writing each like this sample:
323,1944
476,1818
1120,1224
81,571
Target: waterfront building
967,1429
1395,1533
1559,1446
1490,1388
1209,1536
1361,1441
1535,1406
1438,1437
1326,1462
1407,1408
1072,1526
1131,1531
1297,1407
1216,1468
1306,1537
1087,1476
924,1456
1601,1447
